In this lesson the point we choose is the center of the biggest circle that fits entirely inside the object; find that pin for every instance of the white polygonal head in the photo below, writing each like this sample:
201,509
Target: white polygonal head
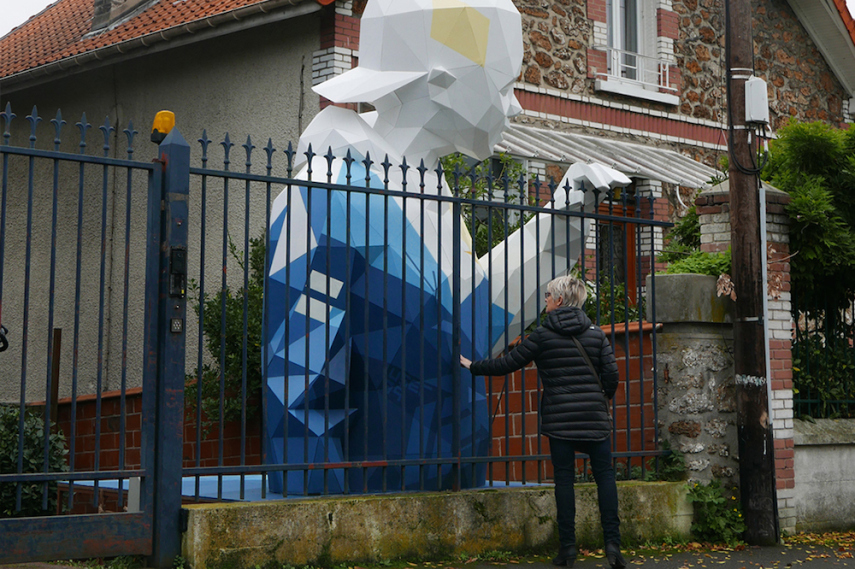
444,68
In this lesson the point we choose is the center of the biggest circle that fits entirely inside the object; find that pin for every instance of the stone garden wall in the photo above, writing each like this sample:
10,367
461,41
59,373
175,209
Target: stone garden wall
696,390
697,410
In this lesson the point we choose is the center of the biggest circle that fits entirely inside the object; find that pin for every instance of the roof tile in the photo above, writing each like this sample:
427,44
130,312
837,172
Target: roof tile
59,31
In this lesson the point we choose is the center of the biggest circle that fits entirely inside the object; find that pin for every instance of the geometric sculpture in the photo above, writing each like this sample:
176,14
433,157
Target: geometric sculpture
359,301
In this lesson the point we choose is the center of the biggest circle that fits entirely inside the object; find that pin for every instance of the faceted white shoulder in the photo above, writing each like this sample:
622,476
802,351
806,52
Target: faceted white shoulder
342,130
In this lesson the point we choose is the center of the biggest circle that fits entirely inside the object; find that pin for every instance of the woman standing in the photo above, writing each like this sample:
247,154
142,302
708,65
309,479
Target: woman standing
574,410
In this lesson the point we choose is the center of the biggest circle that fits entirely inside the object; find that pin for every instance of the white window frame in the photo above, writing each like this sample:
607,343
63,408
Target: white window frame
642,72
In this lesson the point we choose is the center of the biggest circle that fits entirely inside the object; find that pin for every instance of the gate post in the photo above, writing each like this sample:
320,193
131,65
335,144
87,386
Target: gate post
171,313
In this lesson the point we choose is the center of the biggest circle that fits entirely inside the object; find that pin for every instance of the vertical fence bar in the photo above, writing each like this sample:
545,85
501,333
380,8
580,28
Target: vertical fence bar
307,292
439,467
506,329
523,388
626,292
175,157
489,390
422,356
204,141
7,117
330,157
265,322
224,289
245,325
286,476
82,126
639,302
385,320
106,130
473,329
404,319
25,322
652,296
50,401
455,338
129,133
348,273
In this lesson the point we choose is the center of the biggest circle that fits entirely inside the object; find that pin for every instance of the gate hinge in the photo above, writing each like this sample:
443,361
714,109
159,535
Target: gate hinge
183,519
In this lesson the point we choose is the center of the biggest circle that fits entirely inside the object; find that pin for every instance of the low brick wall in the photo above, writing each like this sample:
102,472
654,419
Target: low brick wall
514,427
108,456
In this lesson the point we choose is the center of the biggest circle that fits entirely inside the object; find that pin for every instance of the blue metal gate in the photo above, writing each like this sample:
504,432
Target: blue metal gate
81,252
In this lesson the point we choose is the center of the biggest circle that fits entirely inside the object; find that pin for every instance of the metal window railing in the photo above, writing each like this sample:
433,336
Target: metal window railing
642,70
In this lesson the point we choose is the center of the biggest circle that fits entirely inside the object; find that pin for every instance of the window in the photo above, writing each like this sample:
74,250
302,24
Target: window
638,60
624,21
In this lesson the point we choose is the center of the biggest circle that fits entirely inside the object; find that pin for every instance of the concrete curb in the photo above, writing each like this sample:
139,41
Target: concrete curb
324,531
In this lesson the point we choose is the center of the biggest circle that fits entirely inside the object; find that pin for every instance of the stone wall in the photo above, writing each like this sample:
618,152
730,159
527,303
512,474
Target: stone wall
696,390
800,82
559,36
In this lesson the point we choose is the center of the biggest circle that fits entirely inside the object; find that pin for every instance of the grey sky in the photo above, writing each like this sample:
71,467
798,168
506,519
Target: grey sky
13,13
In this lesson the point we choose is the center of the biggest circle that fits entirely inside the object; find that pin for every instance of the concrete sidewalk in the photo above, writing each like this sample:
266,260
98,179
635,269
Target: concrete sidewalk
774,557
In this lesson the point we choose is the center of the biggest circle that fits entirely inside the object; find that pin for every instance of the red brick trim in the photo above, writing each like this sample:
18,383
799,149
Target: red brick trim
597,10
596,113
597,62
667,24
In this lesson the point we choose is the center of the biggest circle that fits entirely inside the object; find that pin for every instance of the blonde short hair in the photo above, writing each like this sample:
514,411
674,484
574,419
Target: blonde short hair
570,289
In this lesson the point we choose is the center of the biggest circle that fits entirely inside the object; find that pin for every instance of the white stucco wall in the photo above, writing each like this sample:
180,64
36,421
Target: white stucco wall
825,477
247,83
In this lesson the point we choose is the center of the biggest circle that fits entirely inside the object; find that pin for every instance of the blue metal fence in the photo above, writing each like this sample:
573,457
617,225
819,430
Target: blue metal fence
110,248
617,258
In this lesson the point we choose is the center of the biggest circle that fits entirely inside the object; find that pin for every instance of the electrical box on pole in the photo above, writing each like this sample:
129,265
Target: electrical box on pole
756,102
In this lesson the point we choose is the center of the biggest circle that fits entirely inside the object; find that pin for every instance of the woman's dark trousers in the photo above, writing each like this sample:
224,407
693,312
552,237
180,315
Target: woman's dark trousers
564,468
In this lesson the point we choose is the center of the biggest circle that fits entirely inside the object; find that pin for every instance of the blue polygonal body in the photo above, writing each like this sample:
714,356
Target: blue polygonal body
359,347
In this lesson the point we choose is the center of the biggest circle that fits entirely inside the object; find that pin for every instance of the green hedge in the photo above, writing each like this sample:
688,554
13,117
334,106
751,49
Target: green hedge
33,455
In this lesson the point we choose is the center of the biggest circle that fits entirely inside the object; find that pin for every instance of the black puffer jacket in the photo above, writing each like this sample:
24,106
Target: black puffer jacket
572,407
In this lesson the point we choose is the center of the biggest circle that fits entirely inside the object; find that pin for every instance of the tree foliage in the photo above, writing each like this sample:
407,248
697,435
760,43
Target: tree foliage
815,164
503,180
229,363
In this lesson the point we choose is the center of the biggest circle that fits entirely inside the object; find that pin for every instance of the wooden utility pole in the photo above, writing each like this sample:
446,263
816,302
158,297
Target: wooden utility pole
754,426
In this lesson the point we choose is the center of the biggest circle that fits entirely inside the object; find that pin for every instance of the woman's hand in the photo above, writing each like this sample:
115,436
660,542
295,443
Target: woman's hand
465,362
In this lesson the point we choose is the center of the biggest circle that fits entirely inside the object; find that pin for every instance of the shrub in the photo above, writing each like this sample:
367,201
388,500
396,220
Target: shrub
823,367
716,518
702,263
208,377
487,181
611,299
672,465
33,455
683,239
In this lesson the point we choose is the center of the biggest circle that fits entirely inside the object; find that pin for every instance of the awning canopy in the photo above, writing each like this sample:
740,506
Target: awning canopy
634,160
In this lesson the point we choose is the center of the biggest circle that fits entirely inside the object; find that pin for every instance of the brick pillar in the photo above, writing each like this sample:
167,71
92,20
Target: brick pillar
714,212
339,43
